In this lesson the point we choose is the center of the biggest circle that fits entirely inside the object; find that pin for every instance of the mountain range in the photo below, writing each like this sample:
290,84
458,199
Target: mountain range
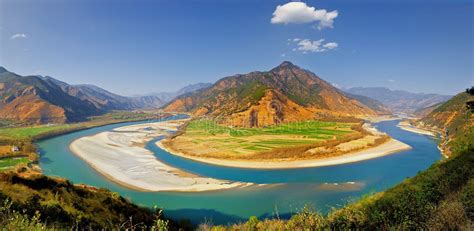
401,101
284,94
38,99
168,96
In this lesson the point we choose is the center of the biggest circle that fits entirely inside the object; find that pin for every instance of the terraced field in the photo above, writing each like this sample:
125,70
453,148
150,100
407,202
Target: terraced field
206,138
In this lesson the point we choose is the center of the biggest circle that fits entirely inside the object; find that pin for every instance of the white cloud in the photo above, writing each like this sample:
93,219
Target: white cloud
18,36
331,45
391,80
283,55
307,45
299,12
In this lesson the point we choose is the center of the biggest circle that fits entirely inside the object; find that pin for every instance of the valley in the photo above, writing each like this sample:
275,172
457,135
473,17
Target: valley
236,115
245,136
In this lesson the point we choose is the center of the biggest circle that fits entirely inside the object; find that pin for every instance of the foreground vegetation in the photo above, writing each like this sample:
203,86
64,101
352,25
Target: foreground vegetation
34,202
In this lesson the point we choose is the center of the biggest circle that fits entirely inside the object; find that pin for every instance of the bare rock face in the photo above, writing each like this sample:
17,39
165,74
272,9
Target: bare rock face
284,94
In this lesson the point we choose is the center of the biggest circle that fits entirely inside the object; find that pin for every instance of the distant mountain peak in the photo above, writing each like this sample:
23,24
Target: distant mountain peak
285,65
2,70
399,100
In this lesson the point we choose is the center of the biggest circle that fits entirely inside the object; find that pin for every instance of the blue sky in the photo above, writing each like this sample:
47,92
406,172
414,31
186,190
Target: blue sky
137,47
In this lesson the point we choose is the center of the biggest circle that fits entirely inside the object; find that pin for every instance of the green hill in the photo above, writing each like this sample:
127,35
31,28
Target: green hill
41,202
455,120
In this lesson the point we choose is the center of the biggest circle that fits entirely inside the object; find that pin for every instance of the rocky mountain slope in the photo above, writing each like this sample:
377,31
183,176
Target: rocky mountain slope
455,120
38,99
399,101
105,100
284,94
32,99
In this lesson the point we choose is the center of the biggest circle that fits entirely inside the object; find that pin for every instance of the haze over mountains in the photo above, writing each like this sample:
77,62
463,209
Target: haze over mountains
284,94
38,99
168,96
401,101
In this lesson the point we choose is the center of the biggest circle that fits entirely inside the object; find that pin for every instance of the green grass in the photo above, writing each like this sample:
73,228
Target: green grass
39,131
30,132
309,129
11,162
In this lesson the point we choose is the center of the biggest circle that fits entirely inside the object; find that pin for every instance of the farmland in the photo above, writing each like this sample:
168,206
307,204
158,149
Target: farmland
208,139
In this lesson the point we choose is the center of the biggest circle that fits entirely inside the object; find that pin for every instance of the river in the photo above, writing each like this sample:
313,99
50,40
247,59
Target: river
286,191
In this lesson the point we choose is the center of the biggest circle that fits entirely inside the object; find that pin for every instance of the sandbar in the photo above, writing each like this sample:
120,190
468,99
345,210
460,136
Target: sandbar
120,156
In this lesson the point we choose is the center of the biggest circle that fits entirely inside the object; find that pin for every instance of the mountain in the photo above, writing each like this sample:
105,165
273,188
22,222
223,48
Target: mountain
399,101
371,103
420,113
104,100
285,93
168,96
38,99
455,118
32,99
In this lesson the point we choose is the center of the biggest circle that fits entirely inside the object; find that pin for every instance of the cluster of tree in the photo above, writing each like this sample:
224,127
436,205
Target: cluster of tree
470,91
470,104
25,147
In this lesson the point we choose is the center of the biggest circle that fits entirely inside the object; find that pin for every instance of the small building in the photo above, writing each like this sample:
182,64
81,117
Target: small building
15,148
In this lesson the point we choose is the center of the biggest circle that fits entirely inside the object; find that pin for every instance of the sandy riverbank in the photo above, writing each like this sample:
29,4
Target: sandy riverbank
120,156
408,127
389,147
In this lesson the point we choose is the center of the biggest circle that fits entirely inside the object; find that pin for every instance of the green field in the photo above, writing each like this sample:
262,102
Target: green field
39,131
29,132
211,139
11,162
307,129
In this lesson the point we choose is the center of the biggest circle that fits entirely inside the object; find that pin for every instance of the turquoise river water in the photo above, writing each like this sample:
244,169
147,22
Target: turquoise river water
287,191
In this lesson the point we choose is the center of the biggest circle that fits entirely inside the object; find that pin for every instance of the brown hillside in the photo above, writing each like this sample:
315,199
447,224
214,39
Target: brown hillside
284,94
33,109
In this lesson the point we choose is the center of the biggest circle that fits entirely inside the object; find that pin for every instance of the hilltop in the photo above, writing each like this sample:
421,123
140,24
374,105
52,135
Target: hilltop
287,93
